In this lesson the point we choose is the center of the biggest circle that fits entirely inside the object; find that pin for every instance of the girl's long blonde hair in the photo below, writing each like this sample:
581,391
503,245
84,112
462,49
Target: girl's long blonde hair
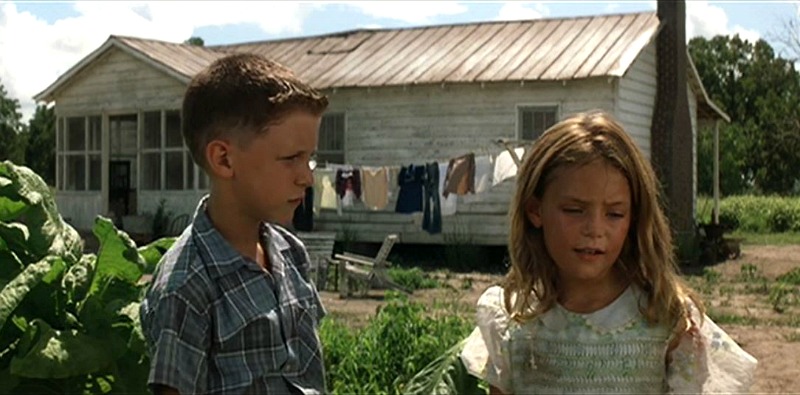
647,255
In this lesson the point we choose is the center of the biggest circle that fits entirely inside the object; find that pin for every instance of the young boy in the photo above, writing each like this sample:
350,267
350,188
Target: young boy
230,308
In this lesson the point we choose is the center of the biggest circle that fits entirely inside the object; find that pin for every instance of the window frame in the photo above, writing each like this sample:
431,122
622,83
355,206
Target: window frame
322,153
535,107
189,182
63,153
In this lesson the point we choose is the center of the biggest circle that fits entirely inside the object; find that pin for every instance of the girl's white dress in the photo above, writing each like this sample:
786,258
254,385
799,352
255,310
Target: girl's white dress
613,350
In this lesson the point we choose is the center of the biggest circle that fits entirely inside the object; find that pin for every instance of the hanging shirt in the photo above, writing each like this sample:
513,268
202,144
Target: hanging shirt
323,185
410,180
460,177
447,203
483,173
375,187
348,186
504,166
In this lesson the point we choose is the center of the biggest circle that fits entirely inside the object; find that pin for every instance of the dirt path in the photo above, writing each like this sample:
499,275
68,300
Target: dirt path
777,347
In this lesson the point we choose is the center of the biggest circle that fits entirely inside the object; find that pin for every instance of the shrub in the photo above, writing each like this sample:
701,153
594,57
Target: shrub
412,279
749,213
396,344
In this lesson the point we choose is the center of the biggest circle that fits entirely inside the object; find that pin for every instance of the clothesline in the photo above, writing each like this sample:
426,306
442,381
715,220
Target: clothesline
430,188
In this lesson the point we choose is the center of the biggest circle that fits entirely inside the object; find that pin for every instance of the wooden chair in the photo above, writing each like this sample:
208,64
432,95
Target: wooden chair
178,224
319,246
369,272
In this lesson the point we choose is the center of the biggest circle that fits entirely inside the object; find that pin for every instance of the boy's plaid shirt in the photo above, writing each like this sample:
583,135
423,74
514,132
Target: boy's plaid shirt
216,322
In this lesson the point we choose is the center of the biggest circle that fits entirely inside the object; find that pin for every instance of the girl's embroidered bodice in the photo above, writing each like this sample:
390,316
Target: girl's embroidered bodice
613,350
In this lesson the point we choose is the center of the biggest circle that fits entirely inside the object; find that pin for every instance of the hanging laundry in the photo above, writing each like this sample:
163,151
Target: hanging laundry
348,186
324,187
410,179
460,177
446,203
303,219
504,165
483,173
375,187
432,213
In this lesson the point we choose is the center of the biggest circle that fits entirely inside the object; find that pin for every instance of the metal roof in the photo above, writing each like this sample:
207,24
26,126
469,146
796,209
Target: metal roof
528,50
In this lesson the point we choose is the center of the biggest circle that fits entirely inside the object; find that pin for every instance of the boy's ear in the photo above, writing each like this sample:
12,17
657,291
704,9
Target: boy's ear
533,210
218,156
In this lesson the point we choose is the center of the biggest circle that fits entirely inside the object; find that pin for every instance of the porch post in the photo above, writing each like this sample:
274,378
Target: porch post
715,220
105,157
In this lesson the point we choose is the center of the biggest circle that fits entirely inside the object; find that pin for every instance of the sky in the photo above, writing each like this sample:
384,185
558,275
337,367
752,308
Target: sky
39,41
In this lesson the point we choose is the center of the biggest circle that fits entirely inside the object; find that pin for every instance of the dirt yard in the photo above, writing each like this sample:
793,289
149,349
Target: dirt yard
736,292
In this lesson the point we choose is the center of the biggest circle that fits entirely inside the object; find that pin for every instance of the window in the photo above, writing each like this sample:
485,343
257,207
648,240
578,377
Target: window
166,163
331,139
534,120
78,153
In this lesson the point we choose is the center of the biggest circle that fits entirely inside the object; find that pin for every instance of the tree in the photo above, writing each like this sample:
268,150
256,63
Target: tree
12,136
196,41
40,152
760,148
788,35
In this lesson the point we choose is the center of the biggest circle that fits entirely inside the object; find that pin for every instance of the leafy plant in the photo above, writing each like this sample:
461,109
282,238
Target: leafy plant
790,277
68,322
412,279
445,375
398,342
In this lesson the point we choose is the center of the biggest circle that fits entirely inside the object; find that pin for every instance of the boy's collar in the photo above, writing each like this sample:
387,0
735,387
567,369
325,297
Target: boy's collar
217,253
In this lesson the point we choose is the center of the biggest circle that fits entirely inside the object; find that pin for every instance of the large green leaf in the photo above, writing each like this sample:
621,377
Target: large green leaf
118,257
15,239
11,209
61,354
78,278
446,375
15,291
9,382
10,265
49,234
153,252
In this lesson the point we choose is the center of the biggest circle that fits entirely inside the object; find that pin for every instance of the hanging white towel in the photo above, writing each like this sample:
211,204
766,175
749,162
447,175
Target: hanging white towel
504,166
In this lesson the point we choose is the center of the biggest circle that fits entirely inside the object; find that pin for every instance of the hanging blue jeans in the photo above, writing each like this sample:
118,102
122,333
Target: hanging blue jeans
432,216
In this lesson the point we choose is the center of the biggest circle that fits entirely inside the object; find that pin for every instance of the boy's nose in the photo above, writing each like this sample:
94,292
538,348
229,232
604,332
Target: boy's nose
306,176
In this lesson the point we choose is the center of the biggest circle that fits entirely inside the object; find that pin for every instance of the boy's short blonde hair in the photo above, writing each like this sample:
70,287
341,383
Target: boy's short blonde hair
240,96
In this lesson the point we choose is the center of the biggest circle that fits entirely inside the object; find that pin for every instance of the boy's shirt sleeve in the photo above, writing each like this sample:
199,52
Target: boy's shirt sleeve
707,360
178,338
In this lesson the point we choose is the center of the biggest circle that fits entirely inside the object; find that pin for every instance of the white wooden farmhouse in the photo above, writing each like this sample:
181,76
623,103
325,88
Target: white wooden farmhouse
398,96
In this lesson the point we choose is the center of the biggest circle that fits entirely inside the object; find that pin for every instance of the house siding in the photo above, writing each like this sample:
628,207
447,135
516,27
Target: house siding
637,95
116,83
398,126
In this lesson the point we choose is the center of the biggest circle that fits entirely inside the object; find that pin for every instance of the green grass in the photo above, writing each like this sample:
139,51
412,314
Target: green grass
750,238
721,318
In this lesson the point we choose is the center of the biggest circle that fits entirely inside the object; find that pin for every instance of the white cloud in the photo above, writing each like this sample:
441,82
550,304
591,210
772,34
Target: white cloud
35,53
519,10
706,20
415,12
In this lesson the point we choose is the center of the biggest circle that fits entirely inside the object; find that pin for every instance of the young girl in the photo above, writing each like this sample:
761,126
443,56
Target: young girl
593,302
